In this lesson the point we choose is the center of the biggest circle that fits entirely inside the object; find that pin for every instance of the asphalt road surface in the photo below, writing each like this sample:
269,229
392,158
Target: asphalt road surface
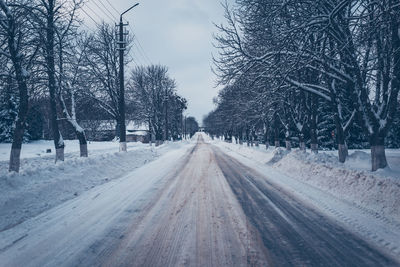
207,209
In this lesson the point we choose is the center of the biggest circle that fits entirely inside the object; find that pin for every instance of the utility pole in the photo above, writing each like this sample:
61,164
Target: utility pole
182,125
185,127
121,99
166,115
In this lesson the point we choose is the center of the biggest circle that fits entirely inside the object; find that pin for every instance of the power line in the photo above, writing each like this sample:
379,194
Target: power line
136,63
113,7
101,2
94,12
136,41
134,56
139,46
105,13
141,53
89,17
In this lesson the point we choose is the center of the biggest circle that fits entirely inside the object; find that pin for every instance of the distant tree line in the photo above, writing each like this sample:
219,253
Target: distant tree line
310,73
191,126
54,75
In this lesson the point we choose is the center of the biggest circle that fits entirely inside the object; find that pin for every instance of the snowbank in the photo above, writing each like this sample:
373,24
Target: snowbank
378,191
42,184
38,148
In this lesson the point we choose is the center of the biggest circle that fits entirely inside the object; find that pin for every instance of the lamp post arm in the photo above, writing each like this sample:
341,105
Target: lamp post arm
128,10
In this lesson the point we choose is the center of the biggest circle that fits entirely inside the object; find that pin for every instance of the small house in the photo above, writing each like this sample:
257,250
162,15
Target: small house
137,132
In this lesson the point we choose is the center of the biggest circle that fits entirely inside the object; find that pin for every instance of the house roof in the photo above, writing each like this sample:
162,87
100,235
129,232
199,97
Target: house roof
141,133
134,126
109,125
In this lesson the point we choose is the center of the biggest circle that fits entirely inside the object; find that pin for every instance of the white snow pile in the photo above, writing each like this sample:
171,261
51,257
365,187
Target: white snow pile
277,155
42,184
378,192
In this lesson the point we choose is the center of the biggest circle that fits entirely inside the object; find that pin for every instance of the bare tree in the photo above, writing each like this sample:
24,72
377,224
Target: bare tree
341,52
52,19
153,90
103,67
70,79
14,36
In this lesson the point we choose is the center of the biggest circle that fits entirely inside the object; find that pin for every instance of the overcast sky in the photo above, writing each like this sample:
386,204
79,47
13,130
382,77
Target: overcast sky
175,33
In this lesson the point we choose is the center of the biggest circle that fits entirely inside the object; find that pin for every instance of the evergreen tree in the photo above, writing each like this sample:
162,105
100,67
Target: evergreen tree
8,114
35,123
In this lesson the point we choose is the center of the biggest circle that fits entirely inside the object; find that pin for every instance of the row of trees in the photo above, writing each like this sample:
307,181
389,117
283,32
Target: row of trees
46,57
157,102
313,69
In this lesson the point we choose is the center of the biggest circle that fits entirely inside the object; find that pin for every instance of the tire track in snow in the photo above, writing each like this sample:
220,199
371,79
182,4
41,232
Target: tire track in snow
294,234
196,222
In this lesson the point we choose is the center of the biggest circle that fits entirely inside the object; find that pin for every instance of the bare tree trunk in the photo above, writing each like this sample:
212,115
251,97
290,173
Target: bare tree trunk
255,138
288,145
21,75
313,125
377,140
378,156
58,141
159,136
247,136
342,152
14,158
18,134
79,131
117,129
151,139
276,131
340,137
302,144
82,143
266,138
60,154
287,141
342,147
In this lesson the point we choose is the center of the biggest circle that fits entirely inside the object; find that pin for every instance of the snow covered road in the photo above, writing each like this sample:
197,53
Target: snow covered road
194,206
294,234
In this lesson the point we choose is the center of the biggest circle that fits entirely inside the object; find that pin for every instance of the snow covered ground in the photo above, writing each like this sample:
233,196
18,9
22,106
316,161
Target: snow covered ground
42,184
38,148
78,229
365,202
